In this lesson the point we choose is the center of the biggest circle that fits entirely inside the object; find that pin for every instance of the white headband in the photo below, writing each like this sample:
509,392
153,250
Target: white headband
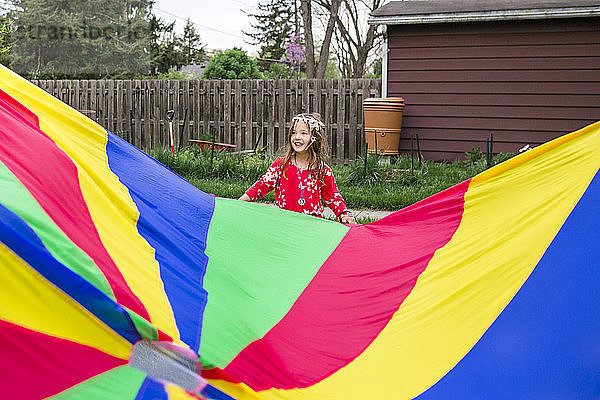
312,122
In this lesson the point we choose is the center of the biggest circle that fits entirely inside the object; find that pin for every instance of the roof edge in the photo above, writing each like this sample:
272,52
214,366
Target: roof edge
477,16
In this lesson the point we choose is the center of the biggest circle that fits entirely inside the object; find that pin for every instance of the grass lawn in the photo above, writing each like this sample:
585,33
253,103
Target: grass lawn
382,187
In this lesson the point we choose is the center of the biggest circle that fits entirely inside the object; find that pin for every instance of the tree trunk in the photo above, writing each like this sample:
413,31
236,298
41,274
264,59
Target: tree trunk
324,54
362,52
306,10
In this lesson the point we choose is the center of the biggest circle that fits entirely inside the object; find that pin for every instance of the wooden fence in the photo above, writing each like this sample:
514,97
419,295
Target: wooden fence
246,113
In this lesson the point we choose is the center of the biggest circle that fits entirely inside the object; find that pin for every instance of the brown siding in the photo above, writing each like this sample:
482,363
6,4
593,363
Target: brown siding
527,82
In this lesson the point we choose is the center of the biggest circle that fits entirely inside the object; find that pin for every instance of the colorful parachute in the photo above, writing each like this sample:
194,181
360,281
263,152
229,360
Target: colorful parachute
486,290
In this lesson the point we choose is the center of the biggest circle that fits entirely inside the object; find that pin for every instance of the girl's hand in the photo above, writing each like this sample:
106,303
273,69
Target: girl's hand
348,219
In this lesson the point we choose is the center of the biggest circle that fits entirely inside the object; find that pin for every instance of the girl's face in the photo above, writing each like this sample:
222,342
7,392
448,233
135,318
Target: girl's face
301,137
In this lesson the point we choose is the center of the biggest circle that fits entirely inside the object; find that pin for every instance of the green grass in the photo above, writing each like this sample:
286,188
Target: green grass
382,187
397,186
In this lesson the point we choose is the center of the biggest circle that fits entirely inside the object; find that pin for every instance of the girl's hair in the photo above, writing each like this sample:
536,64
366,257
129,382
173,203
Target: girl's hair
318,152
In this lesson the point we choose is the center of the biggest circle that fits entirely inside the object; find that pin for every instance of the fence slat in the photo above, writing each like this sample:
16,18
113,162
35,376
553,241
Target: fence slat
328,118
119,111
153,113
305,92
137,113
194,112
353,132
281,102
219,110
294,97
271,114
147,116
205,108
237,111
341,107
248,116
110,105
84,97
93,104
227,111
75,91
315,91
162,90
100,104
260,96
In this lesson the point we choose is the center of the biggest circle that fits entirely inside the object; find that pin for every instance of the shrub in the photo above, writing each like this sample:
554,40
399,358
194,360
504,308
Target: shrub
372,175
475,155
232,64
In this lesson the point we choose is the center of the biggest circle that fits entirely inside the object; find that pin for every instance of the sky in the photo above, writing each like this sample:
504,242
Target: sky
219,22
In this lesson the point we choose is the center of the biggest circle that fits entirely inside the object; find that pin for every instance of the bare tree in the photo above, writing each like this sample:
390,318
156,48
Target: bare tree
334,6
307,16
306,11
345,22
353,41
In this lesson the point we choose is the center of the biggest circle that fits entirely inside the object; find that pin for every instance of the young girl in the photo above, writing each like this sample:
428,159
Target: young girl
301,177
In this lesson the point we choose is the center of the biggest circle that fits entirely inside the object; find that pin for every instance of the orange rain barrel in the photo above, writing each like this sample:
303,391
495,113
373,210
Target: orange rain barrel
382,121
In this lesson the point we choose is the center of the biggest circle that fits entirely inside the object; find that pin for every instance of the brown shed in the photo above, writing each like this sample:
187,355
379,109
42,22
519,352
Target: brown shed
526,71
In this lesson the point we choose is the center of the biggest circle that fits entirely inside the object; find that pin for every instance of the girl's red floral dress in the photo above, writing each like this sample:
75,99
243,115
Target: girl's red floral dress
288,189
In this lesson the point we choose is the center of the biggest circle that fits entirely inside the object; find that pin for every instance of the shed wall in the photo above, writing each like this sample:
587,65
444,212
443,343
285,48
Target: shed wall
527,82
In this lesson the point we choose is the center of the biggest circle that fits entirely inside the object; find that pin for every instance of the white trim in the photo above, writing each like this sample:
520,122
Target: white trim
485,16
384,63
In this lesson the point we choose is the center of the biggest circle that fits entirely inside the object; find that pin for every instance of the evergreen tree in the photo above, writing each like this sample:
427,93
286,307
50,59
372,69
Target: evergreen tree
191,46
5,30
274,23
83,39
164,46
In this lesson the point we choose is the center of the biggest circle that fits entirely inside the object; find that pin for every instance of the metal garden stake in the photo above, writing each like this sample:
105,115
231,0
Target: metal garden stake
170,114
418,149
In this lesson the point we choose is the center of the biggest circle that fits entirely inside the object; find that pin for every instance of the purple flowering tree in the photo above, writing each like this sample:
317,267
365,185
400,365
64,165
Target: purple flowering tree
294,53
